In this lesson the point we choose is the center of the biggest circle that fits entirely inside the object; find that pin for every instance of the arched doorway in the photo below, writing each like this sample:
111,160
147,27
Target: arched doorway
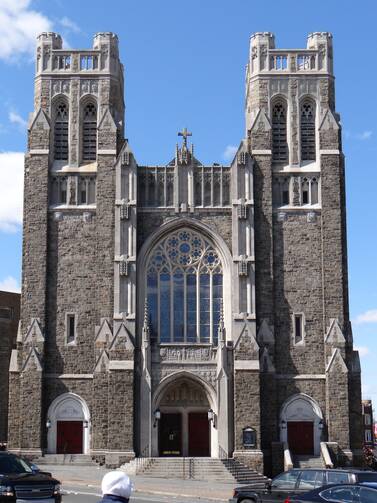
301,423
68,421
184,428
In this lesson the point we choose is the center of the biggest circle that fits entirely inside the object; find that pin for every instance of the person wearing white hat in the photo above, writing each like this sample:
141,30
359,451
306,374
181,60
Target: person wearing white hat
116,487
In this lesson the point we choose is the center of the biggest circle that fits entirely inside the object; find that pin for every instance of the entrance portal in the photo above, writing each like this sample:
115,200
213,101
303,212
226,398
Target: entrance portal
69,437
184,429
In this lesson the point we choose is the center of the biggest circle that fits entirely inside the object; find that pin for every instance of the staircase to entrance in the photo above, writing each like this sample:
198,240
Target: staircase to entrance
225,470
307,461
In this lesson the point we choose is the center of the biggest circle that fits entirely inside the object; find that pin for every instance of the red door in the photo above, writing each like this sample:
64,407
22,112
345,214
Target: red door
301,437
198,434
69,437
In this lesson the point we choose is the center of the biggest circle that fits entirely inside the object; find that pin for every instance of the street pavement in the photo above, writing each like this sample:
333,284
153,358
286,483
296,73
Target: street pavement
82,483
80,494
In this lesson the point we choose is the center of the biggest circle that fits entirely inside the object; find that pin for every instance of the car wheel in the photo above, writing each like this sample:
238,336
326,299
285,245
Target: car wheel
248,501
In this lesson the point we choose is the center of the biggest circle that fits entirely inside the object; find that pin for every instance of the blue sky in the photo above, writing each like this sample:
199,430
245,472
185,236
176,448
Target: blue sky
185,66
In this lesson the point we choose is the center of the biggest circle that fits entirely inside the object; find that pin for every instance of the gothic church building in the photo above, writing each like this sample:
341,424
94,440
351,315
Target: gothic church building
185,309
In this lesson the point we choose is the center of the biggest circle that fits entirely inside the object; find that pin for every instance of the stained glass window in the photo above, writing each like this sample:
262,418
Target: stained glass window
184,286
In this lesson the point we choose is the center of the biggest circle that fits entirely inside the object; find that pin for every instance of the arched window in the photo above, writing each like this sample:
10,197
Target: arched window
61,132
279,132
184,282
89,132
307,131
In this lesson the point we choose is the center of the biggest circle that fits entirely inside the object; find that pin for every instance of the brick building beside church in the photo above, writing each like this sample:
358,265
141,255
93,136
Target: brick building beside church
185,309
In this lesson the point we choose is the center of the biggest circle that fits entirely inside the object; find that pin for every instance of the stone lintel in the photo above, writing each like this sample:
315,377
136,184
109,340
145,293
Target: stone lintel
121,365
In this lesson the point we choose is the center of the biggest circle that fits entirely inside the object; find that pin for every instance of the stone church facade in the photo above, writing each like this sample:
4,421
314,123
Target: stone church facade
185,309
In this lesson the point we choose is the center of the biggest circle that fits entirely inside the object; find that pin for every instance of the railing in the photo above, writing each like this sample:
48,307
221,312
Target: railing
222,453
325,455
288,463
143,460
293,61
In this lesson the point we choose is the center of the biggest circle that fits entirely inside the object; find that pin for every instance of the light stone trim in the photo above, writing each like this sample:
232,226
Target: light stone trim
301,377
246,365
121,365
106,152
329,152
39,151
261,152
69,376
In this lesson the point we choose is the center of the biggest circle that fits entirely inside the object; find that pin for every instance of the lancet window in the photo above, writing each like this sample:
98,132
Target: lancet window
307,131
61,132
89,132
279,132
184,282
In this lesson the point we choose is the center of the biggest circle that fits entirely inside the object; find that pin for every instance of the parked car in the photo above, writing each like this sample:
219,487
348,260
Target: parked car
366,492
20,480
299,481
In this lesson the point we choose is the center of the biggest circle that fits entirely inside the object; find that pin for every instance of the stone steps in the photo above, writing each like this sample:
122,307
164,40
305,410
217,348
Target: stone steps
65,459
225,470
307,462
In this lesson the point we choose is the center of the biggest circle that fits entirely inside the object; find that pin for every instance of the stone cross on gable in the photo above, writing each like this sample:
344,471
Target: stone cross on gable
185,133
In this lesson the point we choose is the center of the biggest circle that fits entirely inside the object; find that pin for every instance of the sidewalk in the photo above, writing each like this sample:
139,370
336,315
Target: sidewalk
91,476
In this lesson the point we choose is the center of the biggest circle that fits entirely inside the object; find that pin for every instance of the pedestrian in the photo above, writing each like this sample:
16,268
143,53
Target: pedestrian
116,487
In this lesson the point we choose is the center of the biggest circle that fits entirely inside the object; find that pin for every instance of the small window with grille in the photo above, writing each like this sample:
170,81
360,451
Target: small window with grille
308,131
89,129
279,132
61,132
70,323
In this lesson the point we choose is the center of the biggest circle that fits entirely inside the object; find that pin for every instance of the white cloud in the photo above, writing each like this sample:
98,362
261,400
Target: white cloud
365,135
363,350
10,284
11,190
19,26
230,152
69,25
367,317
15,118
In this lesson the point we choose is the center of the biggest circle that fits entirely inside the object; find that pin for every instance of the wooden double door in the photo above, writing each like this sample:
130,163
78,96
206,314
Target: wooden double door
301,437
174,432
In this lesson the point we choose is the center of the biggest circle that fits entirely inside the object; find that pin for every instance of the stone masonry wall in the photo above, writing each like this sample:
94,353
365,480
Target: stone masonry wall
8,331
298,289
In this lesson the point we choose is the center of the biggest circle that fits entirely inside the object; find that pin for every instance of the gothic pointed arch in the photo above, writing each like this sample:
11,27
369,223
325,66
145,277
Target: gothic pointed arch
60,115
279,129
184,274
89,119
308,129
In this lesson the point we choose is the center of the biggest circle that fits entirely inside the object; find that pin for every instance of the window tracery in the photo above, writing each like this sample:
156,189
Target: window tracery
184,282
61,132
89,142
308,131
279,132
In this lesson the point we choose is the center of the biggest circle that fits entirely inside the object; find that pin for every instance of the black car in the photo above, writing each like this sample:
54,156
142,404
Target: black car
299,481
20,481
366,492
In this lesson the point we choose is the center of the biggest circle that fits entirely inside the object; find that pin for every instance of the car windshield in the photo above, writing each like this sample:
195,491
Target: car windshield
13,464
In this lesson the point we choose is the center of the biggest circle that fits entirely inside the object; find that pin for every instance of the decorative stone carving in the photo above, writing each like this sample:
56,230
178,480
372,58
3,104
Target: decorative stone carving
190,354
60,86
242,211
58,216
281,216
311,217
87,216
